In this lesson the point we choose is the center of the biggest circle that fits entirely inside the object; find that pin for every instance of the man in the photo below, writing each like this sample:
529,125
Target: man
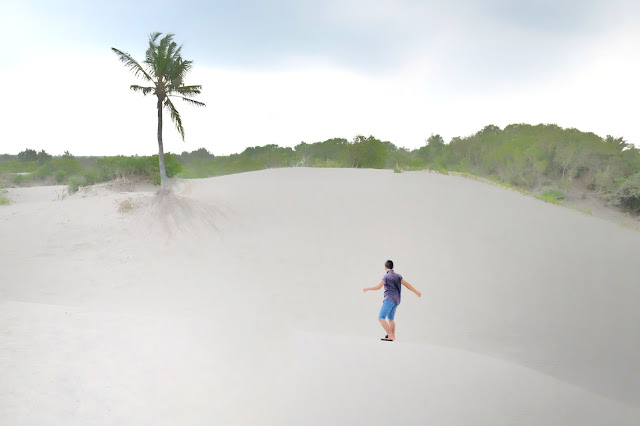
392,283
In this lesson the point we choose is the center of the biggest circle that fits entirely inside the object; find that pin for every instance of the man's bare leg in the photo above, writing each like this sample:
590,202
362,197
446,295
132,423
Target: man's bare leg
388,329
392,325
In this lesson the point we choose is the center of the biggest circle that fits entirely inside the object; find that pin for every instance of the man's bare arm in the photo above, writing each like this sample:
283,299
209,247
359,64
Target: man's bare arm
377,287
410,287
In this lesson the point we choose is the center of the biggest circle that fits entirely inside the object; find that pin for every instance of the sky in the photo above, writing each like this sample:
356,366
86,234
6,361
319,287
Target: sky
287,71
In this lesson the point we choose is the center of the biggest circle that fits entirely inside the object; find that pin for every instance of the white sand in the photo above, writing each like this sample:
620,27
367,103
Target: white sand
529,312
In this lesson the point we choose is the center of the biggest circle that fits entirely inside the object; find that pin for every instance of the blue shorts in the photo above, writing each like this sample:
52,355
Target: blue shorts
388,310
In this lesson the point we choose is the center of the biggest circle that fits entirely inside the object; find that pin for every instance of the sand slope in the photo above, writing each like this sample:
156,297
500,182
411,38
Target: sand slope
528,316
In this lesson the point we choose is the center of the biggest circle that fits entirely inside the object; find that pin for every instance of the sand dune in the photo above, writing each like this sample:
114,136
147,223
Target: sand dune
251,311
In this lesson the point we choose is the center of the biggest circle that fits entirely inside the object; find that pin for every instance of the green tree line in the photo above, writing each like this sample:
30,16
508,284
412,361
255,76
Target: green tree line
40,168
521,155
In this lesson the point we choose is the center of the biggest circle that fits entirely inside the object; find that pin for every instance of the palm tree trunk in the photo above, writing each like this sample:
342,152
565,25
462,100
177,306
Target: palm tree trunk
163,172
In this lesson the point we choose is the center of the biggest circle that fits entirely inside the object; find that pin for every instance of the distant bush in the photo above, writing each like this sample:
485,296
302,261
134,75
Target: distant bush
197,155
15,166
31,167
30,155
551,196
17,179
328,164
75,182
3,198
554,193
365,152
93,175
220,166
628,193
108,168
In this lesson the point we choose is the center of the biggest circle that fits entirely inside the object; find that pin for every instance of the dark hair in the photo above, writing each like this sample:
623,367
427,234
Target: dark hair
388,264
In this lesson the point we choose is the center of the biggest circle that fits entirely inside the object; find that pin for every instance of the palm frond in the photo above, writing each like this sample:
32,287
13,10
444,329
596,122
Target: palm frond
171,50
132,64
191,101
189,90
145,90
163,59
178,52
175,116
148,55
177,72
156,54
165,42
154,36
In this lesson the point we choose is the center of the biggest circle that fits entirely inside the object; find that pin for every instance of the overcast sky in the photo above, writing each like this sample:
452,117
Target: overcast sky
287,71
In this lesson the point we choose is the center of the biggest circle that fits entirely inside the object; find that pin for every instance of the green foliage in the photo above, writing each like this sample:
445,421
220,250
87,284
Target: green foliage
367,152
75,182
551,196
76,172
251,159
520,157
30,155
119,167
56,170
331,150
529,157
15,166
328,164
199,154
95,175
628,192
433,149
17,179
553,193
3,198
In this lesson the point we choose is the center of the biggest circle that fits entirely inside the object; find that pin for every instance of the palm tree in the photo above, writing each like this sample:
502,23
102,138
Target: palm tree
165,70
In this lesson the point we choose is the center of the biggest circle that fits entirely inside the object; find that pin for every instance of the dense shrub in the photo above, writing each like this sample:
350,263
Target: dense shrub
628,193
75,182
108,168
31,167
551,196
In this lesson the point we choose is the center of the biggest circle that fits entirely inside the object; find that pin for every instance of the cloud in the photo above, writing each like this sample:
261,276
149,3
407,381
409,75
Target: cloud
283,72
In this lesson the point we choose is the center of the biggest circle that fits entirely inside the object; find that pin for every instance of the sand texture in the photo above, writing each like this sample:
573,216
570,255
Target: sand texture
238,301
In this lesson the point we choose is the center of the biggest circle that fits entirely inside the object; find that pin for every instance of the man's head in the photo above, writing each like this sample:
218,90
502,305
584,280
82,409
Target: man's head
388,264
